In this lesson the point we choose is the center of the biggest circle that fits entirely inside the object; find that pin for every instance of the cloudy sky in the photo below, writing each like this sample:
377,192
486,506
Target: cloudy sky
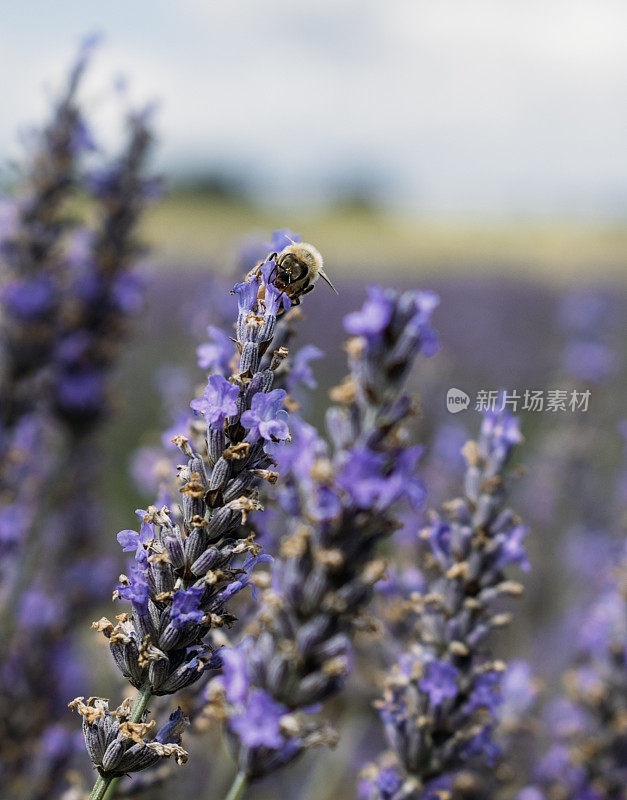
497,107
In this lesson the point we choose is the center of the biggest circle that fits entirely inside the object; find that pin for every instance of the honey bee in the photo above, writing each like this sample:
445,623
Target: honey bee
297,269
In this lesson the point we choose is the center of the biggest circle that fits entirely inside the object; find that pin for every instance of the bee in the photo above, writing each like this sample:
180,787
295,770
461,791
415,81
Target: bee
297,269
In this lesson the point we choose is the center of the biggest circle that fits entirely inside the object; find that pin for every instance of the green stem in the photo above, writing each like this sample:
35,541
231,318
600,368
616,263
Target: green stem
104,788
238,787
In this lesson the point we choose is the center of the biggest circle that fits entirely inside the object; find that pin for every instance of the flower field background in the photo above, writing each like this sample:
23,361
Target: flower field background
495,332
332,586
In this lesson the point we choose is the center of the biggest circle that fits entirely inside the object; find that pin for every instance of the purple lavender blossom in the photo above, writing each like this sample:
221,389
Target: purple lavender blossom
374,317
384,783
266,419
30,299
442,701
131,541
188,563
259,724
104,288
33,233
246,292
587,758
587,317
218,402
135,589
235,678
440,681
186,607
215,356
339,508
519,691
301,372
280,239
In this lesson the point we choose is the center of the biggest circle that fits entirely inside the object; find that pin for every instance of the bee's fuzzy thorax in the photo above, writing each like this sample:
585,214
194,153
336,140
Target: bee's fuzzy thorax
302,251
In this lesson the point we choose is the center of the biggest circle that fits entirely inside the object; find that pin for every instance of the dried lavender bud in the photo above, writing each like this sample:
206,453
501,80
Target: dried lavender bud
340,508
118,746
441,701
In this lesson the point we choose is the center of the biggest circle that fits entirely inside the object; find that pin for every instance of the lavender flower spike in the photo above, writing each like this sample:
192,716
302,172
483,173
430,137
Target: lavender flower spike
186,567
440,705
588,753
340,507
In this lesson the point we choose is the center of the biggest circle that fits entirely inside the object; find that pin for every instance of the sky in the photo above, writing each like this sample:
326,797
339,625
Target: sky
448,107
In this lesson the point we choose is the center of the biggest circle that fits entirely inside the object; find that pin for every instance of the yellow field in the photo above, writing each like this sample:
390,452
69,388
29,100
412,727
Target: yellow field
200,230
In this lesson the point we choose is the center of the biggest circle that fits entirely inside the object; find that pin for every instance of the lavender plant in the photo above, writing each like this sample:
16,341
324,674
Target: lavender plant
439,709
30,295
340,507
587,757
33,227
587,734
45,347
185,572
31,233
101,281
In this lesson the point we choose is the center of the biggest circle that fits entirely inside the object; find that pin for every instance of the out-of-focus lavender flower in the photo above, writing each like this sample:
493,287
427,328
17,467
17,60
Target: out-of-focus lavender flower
104,289
29,247
281,238
588,755
64,293
339,507
33,227
374,317
587,317
440,681
259,723
620,489
30,299
589,361
364,476
301,372
215,356
253,249
519,689
442,699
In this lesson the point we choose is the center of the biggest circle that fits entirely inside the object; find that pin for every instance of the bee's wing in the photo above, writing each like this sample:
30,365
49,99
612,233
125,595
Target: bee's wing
326,278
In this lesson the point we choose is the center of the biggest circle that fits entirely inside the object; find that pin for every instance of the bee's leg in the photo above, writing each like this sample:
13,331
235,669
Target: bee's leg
309,287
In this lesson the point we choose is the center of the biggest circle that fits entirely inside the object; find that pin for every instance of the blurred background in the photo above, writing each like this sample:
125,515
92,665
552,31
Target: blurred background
476,149
436,136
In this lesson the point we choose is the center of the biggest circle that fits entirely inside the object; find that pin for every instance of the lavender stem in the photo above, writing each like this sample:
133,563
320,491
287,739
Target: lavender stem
104,788
238,787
